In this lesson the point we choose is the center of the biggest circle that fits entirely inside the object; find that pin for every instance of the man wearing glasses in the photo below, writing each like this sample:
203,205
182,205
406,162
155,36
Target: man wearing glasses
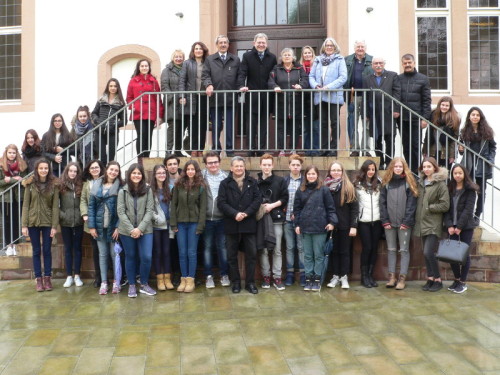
214,227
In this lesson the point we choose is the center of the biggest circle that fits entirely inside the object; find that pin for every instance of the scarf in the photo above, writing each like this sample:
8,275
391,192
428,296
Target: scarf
12,169
30,152
239,181
307,66
82,129
312,185
332,183
327,60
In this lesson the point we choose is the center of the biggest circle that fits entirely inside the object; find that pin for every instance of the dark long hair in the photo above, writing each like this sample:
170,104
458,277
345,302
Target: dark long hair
50,180
86,176
118,92
184,181
165,189
140,189
362,179
137,70
119,177
450,118
483,128
304,181
36,146
468,183
49,137
203,47
65,182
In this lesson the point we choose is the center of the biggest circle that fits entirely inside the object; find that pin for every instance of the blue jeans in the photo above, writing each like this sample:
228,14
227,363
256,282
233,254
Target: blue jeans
187,240
314,244
72,238
217,116
142,246
293,241
106,250
34,233
214,234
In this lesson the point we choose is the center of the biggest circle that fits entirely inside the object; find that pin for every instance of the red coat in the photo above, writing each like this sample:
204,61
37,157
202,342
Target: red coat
136,87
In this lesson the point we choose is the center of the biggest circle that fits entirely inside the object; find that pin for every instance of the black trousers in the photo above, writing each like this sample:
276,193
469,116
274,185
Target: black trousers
329,115
249,242
144,129
370,234
341,252
411,138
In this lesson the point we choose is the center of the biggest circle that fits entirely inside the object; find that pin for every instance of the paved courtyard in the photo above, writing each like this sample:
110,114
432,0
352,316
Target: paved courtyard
359,331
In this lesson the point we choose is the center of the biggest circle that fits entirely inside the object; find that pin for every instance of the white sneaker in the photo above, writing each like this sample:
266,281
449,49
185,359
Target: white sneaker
210,282
224,281
344,282
78,281
14,252
333,282
68,282
9,251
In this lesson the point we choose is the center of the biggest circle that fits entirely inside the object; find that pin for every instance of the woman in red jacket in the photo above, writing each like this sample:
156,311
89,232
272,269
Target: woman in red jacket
147,111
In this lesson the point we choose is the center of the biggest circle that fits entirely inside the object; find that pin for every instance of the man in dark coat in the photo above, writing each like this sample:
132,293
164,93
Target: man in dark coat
220,72
415,94
381,109
239,200
256,65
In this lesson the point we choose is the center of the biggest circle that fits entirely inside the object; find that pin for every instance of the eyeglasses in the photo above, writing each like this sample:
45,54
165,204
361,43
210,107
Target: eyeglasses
160,173
94,168
212,162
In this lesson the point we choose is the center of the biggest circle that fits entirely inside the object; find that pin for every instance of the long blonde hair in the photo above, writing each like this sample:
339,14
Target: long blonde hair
347,191
410,180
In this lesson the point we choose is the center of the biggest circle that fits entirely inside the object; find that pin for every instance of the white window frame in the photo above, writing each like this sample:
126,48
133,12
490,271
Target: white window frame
11,30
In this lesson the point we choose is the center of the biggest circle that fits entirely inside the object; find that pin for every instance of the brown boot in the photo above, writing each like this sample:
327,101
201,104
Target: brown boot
182,285
168,281
392,280
189,285
401,282
160,282
47,283
39,284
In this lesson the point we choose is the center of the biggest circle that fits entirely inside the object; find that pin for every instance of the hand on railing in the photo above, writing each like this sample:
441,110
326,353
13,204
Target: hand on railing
58,158
277,89
244,89
423,124
209,90
395,114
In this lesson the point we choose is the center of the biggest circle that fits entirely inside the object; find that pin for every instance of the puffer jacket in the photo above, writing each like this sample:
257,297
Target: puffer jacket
40,209
465,210
135,212
189,206
415,94
314,210
335,78
96,208
69,209
273,189
170,81
103,110
433,201
397,211
369,204
149,107
187,82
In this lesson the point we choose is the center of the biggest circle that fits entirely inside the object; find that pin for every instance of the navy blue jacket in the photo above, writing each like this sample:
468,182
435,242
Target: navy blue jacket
313,214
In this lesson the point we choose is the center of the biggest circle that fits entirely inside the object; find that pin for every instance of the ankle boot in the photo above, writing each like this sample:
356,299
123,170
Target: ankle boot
47,283
401,282
392,280
160,282
168,282
189,285
182,285
39,284
370,276
365,281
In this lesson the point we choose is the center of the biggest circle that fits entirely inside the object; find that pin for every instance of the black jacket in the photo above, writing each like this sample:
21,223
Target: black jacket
476,166
416,94
232,200
465,210
103,110
348,213
222,76
407,208
187,82
274,189
313,214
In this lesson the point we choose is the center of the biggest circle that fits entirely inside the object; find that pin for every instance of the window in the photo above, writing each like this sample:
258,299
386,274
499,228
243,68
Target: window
483,3
483,51
276,12
431,3
10,50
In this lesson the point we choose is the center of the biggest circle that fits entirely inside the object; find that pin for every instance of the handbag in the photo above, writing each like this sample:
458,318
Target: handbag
452,251
159,219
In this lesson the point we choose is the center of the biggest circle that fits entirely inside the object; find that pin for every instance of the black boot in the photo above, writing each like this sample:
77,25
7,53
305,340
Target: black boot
370,276
365,281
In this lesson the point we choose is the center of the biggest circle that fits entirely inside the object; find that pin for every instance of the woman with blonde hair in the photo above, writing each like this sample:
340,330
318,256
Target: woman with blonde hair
398,202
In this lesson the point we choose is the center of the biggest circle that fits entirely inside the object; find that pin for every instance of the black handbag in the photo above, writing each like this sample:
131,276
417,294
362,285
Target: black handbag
452,251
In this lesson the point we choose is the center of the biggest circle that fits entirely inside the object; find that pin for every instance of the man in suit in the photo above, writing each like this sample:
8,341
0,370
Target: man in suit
382,112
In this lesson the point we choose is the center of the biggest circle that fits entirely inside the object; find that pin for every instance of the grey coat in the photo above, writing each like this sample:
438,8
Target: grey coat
140,216
187,82
222,76
170,78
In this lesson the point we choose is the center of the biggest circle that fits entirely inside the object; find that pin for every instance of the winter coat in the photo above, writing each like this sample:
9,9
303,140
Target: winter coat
40,209
348,213
135,212
396,211
50,154
189,206
69,209
380,107
289,103
96,208
149,107
30,156
465,210
213,212
369,206
433,201
222,76
232,200
170,82
415,94
350,62
476,167
335,78
104,110
14,192
84,201
433,137
187,82
273,189
314,209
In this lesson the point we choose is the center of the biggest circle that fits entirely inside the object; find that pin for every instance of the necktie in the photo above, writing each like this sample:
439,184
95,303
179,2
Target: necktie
223,58
261,55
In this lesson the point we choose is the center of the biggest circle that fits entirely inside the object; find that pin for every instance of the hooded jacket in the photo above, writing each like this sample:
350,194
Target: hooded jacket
433,201
135,212
40,209
397,203
189,206
69,208
314,210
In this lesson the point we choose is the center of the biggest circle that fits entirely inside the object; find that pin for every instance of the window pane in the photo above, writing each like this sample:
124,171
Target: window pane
483,45
271,12
433,50
238,13
260,12
10,67
282,12
431,3
10,13
249,15
483,3
293,9
276,12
